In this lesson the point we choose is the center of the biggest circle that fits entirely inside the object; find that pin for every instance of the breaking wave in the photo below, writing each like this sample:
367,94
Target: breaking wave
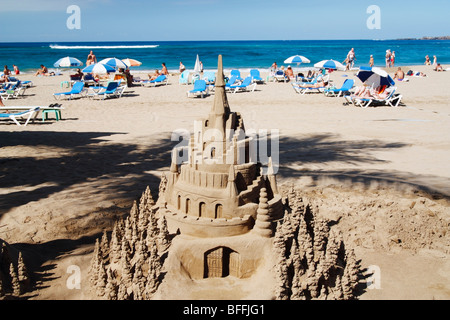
56,46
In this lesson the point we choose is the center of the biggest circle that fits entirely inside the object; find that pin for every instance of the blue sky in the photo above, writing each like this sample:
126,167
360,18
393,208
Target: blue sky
161,20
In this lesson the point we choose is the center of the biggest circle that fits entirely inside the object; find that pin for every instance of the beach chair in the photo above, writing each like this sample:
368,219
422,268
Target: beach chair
279,76
184,77
236,73
246,85
304,90
209,77
111,90
392,99
232,81
346,87
77,89
255,74
160,80
14,116
200,88
15,90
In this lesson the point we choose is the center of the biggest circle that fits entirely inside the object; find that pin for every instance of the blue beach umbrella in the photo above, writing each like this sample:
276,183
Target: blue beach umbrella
98,68
114,62
296,59
67,62
375,77
330,64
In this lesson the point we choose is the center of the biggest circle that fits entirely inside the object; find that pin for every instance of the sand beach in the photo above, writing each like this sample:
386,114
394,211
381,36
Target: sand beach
381,173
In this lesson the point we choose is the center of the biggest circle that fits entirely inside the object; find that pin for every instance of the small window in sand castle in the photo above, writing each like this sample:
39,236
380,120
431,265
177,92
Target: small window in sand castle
218,211
188,205
213,152
202,209
179,202
206,123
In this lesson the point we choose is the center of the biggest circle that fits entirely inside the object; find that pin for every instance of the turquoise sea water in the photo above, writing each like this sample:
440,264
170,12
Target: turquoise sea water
237,54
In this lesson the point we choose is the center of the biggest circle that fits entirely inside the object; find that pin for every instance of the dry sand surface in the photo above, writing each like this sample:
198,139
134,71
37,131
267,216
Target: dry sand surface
383,174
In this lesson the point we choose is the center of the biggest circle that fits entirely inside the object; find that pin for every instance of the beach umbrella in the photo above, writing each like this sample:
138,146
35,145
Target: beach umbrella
197,68
375,77
131,62
296,59
330,64
99,68
114,62
67,62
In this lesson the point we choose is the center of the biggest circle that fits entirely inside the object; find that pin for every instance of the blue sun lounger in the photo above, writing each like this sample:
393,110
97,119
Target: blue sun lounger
162,79
13,116
244,86
200,88
254,73
77,89
346,86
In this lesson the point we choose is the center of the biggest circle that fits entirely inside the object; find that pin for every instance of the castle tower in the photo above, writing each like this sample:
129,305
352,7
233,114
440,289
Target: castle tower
217,191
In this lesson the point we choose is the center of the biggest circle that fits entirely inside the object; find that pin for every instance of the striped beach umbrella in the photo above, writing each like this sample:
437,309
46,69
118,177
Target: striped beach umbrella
67,62
114,62
131,62
375,77
99,68
296,59
330,64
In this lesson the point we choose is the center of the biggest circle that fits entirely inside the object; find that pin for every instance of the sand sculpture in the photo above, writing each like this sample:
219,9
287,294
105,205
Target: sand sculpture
14,277
218,215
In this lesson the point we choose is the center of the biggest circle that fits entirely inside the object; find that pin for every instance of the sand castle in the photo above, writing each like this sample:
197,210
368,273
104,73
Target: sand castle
219,215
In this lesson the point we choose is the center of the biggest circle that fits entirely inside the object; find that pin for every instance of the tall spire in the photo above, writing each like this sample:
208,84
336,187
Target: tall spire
220,107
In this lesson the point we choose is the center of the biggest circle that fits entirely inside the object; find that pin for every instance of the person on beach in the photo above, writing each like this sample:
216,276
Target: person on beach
399,75
388,58
164,69
78,75
434,62
1,102
43,71
427,60
350,60
371,61
6,71
393,59
182,67
154,75
438,68
16,69
91,58
289,73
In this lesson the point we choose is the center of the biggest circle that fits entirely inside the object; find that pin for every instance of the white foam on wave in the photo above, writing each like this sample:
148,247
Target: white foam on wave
56,46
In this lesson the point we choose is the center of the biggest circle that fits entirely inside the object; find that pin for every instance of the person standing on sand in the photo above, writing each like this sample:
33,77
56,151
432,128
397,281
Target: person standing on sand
427,60
371,61
91,59
182,67
393,59
388,58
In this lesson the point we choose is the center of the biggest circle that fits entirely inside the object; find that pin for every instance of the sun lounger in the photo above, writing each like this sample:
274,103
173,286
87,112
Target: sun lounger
111,90
236,73
279,76
14,116
77,89
346,87
13,91
45,110
184,77
246,85
209,77
200,88
393,99
254,73
160,80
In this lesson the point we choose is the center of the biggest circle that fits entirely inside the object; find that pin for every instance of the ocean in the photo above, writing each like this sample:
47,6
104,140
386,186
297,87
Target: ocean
236,54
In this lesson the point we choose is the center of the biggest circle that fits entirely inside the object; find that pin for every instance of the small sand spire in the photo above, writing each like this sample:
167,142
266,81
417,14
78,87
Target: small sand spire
220,108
